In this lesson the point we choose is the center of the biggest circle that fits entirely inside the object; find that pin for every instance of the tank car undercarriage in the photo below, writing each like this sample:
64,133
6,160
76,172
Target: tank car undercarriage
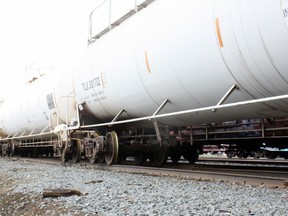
246,138
141,145
255,138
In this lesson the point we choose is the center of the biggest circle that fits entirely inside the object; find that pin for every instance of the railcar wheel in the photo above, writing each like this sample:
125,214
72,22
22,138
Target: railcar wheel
4,150
12,150
192,154
34,153
112,148
76,150
139,159
97,160
159,157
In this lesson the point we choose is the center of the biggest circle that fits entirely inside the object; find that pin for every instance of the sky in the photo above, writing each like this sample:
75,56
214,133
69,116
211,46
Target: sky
40,32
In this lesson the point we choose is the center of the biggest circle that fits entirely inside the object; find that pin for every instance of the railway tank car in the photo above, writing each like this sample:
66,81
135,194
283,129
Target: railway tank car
32,116
161,66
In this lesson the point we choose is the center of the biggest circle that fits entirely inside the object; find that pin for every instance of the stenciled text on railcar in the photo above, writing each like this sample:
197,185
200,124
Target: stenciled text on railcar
90,84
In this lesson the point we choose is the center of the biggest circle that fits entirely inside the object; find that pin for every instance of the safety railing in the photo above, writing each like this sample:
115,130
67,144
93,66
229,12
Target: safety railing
111,13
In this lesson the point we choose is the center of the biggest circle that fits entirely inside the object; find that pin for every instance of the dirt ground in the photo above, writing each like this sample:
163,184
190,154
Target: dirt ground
14,204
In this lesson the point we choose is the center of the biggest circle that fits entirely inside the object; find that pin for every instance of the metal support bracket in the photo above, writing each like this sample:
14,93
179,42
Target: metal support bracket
15,134
30,132
160,107
156,126
44,129
191,135
22,134
228,93
116,117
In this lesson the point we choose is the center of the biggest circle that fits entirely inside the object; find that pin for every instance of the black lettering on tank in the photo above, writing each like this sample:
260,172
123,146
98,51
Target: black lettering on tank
84,86
285,12
50,101
90,84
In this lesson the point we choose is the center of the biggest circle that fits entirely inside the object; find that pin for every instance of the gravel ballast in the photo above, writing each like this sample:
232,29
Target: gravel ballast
111,193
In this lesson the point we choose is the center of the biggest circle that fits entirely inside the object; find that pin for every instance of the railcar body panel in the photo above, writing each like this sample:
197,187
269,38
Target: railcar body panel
190,53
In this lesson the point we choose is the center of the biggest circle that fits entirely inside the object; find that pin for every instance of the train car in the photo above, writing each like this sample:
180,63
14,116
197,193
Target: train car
34,116
154,68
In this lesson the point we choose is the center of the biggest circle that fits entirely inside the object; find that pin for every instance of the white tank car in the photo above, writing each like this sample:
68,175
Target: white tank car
194,54
29,113
39,105
178,62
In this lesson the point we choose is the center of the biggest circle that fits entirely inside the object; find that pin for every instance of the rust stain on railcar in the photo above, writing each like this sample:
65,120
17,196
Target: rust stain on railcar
220,41
147,62
103,79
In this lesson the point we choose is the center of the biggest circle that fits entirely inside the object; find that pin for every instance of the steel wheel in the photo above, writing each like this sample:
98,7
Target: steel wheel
76,150
159,157
112,148
191,154
139,159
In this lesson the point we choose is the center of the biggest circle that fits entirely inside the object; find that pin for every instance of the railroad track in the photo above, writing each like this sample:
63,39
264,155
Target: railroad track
250,175
278,162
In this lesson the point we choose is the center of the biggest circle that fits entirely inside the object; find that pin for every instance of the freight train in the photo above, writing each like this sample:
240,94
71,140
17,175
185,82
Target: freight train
154,71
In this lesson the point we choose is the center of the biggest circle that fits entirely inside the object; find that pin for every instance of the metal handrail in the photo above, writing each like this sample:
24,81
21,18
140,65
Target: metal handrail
190,111
133,10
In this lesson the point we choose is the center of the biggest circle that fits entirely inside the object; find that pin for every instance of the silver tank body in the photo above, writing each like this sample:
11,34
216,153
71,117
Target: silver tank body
190,52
